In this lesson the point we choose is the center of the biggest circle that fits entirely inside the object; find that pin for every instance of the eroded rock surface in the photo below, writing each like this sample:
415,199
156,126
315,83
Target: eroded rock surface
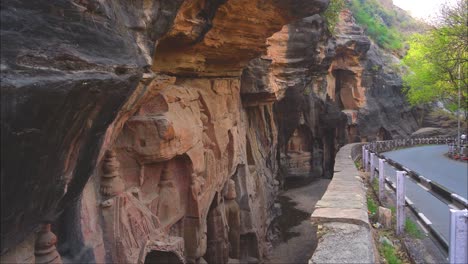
156,85
163,130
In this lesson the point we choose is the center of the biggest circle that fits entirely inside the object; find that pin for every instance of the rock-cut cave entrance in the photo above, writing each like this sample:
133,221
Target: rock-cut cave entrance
162,257
345,89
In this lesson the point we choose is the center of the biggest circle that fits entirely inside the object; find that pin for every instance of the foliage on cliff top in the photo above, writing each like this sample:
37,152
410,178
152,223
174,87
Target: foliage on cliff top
385,23
377,23
332,14
435,59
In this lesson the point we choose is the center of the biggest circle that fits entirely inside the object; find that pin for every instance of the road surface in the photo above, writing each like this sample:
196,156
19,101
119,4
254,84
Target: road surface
430,162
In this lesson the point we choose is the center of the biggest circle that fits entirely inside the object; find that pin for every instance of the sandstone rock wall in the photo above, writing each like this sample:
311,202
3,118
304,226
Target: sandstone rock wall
163,130
122,123
67,69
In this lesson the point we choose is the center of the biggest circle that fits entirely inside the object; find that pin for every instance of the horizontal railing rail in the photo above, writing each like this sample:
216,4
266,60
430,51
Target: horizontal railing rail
372,152
436,189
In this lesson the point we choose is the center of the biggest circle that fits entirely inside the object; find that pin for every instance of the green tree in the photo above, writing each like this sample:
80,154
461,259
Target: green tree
437,60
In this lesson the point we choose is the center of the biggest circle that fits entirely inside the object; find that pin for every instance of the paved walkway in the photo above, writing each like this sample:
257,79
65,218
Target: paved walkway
342,212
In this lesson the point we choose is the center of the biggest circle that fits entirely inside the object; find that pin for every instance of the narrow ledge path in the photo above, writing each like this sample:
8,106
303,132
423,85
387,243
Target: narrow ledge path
298,238
345,235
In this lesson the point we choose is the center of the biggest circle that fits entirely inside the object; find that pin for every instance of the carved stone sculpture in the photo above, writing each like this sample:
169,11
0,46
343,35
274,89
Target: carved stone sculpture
207,142
44,248
196,186
195,239
295,143
111,183
233,219
217,251
169,199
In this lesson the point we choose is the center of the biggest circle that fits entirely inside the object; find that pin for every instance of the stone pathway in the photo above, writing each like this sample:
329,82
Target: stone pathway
297,234
342,214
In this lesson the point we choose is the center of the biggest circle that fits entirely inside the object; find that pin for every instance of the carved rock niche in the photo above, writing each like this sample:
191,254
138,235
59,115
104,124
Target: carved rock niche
173,158
148,209
348,96
298,160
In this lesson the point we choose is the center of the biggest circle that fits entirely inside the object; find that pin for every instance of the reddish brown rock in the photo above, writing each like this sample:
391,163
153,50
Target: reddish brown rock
44,249
124,122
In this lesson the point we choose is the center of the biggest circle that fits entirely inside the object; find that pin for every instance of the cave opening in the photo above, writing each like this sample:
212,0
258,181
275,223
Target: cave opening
352,133
345,89
384,134
161,257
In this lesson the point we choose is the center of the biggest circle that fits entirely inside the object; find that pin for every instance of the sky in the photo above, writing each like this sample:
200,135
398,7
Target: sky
422,9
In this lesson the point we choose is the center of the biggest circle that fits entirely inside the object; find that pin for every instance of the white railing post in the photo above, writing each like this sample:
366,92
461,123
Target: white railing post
400,204
372,167
458,245
366,167
363,154
381,180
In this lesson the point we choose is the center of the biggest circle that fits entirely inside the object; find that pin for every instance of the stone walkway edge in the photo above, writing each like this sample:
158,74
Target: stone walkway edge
345,234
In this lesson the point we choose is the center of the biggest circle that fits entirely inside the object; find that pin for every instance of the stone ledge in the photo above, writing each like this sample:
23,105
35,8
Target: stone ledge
342,212
344,243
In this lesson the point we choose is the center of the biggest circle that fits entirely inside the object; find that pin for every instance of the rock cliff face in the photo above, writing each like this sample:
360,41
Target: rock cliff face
162,131
365,83
122,122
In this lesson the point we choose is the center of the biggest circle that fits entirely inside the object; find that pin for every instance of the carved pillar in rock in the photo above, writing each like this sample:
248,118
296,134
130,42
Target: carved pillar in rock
195,239
127,223
194,227
217,251
233,219
111,183
44,248
169,199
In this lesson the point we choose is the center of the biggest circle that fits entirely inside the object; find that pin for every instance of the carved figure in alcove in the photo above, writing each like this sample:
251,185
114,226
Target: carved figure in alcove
295,143
196,189
233,218
128,223
217,250
301,119
210,168
44,248
207,142
195,239
196,186
169,198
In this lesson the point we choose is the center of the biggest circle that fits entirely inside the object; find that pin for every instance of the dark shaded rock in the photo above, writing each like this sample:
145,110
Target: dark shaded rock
386,106
67,67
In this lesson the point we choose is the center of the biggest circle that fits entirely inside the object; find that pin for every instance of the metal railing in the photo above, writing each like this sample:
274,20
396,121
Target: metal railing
373,161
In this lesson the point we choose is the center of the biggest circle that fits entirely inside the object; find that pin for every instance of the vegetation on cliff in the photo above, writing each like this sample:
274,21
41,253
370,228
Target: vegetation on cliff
438,59
378,23
386,24
332,14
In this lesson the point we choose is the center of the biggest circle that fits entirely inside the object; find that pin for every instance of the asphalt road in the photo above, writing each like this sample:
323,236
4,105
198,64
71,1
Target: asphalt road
430,162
